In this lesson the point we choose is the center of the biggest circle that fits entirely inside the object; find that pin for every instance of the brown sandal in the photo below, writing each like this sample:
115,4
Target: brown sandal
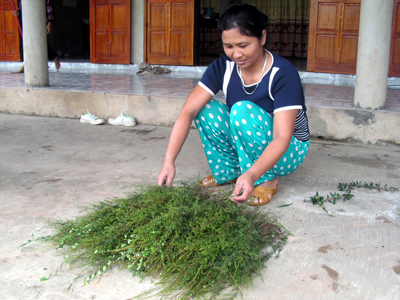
263,193
209,181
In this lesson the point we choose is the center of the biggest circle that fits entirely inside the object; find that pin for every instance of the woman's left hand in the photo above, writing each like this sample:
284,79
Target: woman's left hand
244,188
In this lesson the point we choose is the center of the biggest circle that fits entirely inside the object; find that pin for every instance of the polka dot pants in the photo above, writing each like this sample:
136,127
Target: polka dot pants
234,141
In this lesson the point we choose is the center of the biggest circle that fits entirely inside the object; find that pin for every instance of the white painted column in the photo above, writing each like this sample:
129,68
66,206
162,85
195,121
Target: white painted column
373,53
35,43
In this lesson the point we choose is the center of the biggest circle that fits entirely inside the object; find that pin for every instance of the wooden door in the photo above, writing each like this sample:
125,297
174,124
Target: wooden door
394,66
169,32
333,36
9,32
110,31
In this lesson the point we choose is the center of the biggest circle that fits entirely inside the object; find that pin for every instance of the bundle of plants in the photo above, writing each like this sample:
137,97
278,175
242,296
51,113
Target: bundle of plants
193,240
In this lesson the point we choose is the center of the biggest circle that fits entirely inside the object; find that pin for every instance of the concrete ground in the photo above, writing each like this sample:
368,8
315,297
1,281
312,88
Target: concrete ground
52,167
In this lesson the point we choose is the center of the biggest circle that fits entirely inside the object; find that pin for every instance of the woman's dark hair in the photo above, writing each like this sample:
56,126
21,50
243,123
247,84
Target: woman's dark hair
245,17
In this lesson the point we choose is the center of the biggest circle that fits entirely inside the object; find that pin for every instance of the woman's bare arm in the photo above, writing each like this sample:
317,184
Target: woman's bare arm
196,100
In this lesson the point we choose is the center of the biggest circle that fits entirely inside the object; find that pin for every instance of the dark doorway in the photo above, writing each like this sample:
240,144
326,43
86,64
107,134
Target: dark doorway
71,35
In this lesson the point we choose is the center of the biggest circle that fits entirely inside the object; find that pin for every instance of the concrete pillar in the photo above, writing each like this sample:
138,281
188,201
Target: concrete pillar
35,43
373,53
137,13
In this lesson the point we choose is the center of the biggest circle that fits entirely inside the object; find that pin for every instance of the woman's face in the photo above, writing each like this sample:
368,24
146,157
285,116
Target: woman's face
245,51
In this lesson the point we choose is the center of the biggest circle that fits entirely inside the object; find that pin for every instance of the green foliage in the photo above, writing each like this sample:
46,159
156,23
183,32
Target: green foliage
194,240
347,189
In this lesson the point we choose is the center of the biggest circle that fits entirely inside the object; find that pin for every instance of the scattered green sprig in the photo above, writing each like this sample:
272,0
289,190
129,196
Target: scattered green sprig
347,189
319,200
358,184
194,240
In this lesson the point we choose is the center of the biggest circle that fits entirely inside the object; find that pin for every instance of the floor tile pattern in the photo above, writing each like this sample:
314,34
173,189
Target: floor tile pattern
327,91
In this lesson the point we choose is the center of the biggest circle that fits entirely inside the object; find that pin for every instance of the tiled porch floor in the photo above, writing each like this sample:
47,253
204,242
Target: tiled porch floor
177,84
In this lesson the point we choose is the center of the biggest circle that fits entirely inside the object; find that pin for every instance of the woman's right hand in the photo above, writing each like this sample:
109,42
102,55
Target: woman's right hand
166,175
196,100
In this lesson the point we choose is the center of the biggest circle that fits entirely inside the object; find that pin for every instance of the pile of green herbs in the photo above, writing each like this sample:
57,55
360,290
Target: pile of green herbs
194,240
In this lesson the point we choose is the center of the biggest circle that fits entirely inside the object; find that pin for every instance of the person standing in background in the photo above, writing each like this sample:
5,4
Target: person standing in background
49,27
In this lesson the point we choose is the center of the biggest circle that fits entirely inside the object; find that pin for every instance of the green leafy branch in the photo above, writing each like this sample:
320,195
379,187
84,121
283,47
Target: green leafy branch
358,184
347,189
